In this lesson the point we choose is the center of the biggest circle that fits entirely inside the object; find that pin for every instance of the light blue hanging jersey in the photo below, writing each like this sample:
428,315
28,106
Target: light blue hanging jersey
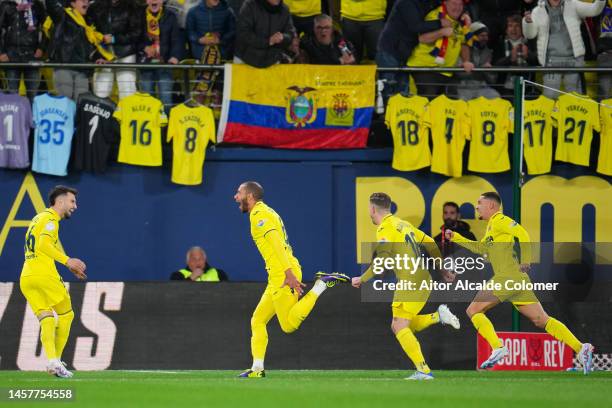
54,127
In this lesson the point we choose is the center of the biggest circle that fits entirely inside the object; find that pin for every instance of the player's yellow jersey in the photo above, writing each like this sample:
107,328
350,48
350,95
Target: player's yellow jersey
404,117
491,120
505,242
576,116
264,220
141,116
449,124
190,128
38,260
604,161
537,134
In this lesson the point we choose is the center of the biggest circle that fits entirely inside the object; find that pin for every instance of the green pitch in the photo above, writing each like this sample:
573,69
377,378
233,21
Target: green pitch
289,389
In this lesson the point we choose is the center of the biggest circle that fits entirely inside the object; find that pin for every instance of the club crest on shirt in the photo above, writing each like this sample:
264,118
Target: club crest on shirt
50,226
261,223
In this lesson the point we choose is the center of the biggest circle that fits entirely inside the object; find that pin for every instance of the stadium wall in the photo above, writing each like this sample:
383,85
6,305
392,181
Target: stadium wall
173,325
133,224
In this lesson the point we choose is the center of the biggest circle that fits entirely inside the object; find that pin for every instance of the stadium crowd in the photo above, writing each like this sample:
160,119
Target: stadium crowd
261,33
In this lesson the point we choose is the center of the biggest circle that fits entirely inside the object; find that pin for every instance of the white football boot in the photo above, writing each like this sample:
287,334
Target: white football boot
448,318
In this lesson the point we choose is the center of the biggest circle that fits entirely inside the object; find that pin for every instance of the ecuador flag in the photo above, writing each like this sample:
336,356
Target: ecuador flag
298,106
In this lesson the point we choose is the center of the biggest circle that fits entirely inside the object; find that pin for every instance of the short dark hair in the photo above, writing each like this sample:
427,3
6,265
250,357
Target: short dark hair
492,195
451,204
58,191
381,200
515,18
253,187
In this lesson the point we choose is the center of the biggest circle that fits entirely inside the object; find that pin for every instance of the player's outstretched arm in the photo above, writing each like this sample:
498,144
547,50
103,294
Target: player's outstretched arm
473,246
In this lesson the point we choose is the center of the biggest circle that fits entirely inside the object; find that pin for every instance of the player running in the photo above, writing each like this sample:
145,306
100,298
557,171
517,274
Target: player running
284,276
40,282
510,261
396,236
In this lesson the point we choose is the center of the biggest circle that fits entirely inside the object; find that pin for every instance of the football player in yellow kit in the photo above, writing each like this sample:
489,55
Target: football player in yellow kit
395,236
510,262
40,282
284,276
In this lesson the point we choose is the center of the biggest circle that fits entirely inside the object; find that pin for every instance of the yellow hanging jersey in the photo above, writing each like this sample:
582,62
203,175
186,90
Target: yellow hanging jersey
576,116
190,129
604,161
449,124
537,134
264,220
141,116
40,247
304,8
491,121
404,117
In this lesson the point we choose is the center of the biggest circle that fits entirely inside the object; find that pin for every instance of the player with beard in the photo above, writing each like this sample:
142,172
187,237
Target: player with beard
506,245
40,282
284,276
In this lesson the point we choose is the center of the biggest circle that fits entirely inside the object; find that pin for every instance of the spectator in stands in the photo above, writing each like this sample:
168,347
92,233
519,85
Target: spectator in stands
513,50
493,14
362,23
73,41
475,84
452,221
326,47
556,25
264,33
198,269
295,55
211,23
303,13
604,51
120,23
21,40
161,43
400,35
431,84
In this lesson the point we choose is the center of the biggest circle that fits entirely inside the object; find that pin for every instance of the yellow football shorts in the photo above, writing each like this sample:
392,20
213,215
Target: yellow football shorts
406,310
43,292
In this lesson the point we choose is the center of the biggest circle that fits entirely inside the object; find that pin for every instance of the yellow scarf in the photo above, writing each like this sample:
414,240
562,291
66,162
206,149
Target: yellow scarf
153,25
92,35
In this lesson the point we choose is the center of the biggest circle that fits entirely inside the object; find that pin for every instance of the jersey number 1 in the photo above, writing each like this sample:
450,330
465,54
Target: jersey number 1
8,124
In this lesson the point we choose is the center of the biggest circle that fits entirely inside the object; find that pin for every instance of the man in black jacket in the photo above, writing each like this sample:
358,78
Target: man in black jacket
400,35
264,31
122,26
69,44
162,42
21,40
325,46
451,215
